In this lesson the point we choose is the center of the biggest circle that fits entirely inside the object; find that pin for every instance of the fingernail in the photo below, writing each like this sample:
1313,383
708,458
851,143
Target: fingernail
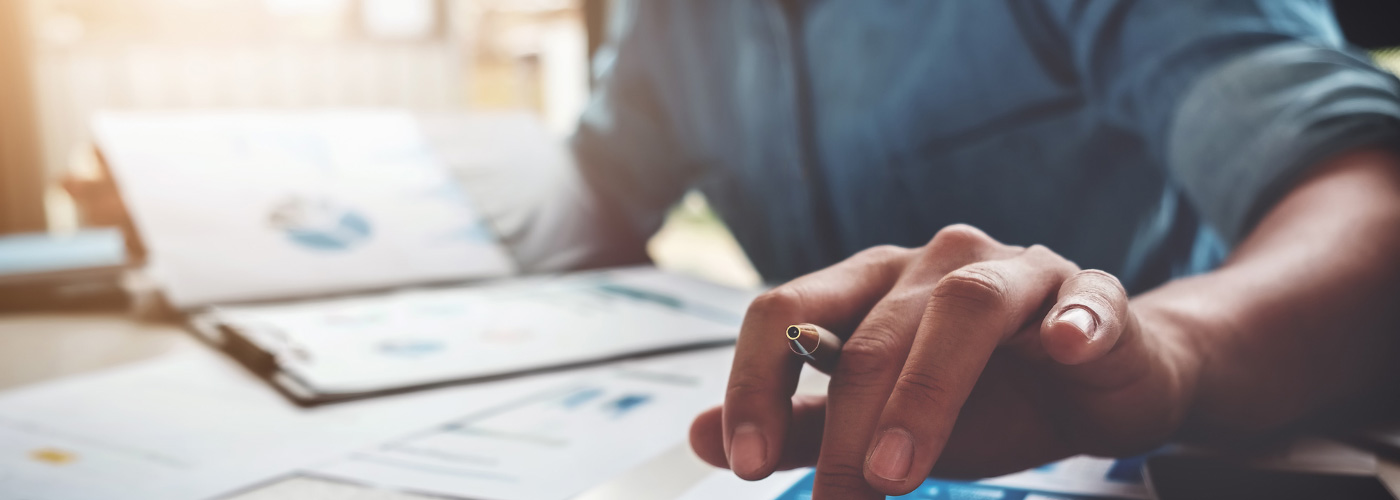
747,450
1081,319
892,456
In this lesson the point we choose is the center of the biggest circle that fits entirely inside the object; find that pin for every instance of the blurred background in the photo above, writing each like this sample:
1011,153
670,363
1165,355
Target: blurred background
62,60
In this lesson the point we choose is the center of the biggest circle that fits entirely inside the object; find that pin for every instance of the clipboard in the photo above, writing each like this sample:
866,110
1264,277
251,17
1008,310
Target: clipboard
333,350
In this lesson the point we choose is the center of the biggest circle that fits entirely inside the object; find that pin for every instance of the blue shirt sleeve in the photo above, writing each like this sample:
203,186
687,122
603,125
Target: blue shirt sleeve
625,145
1235,98
1249,130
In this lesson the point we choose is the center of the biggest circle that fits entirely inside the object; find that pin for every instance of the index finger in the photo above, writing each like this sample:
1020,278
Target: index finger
971,312
757,403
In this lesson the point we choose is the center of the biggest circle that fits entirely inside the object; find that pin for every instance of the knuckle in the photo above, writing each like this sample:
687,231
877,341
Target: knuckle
1043,252
862,357
922,389
1047,257
781,301
883,259
1099,288
1104,277
877,338
745,387
958,238
1098,298
881,253
975,287
868,355
845,475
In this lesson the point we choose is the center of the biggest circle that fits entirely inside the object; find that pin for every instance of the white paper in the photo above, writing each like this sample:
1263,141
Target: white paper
417,337
724,484
236,206
551,444
1073,478
194,425
315,488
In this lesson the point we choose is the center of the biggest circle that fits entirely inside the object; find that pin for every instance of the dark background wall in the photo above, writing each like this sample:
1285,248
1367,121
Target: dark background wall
1371,24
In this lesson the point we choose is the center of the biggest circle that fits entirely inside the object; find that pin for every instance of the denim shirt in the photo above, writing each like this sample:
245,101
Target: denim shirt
1144,138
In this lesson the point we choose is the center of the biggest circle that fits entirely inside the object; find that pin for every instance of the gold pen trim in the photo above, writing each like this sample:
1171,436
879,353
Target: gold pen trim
806,340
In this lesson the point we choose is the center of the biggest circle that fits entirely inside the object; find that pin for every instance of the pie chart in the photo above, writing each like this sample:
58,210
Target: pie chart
320,224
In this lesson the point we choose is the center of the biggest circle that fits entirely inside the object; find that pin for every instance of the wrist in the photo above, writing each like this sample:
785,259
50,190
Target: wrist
1182,358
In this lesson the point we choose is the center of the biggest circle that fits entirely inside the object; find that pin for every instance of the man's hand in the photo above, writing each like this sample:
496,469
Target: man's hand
965,357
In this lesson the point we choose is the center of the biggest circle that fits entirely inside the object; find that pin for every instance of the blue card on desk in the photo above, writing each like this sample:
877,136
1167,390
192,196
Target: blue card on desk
935,489
1074,478
48,254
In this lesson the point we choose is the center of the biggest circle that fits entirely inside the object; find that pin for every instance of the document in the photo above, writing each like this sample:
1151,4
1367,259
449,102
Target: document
1076,478
243,206
415,338
554,443
195,425
317,488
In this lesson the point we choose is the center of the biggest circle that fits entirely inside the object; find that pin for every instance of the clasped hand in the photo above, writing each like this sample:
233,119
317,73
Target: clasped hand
963,358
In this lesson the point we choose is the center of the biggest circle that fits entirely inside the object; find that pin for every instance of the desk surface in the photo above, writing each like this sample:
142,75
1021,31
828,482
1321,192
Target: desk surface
37,347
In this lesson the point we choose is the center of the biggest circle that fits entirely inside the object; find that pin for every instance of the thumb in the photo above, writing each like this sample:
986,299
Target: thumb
1089,318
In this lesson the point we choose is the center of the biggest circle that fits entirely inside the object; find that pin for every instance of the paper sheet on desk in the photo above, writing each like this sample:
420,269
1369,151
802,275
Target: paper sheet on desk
411,338
555,443
1077,478
194,425
237,206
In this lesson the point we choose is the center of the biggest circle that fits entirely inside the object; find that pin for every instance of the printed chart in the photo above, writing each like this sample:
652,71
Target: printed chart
552,444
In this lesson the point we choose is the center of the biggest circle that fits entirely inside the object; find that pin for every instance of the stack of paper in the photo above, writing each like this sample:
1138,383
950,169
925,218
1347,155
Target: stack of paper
331,350
241,209
56,270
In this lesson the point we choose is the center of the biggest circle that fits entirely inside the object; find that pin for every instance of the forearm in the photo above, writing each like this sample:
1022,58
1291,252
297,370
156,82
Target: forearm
573,232
552,220
1304,313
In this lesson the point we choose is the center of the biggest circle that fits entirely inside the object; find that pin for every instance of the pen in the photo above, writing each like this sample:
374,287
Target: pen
817,345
